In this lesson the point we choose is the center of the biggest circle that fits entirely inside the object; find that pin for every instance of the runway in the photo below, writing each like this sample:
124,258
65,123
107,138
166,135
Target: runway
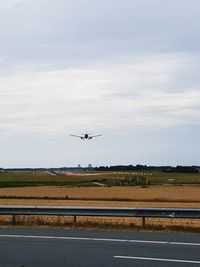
55,247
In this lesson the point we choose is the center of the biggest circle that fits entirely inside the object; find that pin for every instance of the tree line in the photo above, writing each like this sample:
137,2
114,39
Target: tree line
138,167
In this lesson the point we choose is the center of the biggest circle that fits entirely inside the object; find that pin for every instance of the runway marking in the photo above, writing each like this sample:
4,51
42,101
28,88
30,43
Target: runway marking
100,239
156,259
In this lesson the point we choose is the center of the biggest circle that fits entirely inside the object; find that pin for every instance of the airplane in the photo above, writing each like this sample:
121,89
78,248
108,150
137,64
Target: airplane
86,136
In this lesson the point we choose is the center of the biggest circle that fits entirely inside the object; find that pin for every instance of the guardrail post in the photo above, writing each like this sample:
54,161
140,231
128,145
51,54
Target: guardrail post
74,222
13,219
143,222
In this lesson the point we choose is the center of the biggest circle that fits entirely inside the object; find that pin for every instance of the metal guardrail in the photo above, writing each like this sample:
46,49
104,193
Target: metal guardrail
100,211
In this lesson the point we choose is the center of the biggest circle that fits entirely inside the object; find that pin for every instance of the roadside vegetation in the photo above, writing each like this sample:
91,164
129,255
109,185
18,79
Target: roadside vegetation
121,224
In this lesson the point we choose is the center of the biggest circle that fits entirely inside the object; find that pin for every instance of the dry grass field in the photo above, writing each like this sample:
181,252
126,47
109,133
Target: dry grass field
157,196
106,223
165,193
136,204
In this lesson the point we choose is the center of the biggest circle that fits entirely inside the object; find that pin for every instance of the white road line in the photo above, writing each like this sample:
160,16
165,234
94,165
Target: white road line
100,239
156,259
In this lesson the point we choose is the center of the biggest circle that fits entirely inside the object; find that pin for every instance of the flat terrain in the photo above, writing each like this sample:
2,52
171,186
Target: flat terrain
165,193
136,204
19,179
45,189
156,196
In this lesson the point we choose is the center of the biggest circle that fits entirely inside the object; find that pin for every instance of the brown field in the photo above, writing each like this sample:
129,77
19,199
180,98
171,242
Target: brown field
172,196
155,193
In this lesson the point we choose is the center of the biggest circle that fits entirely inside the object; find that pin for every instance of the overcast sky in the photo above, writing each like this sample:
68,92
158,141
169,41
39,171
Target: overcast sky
128,69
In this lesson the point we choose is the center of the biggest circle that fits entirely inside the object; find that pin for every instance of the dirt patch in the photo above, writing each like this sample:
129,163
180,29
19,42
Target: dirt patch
137,204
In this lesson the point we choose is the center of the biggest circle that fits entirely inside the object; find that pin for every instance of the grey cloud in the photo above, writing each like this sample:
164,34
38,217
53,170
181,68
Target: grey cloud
78,97
45,31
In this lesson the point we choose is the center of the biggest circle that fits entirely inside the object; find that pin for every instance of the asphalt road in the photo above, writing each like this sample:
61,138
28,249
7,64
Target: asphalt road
55,247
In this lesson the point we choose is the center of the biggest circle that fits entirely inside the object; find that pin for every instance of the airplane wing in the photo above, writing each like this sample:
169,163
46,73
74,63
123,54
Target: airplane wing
76,135
96,135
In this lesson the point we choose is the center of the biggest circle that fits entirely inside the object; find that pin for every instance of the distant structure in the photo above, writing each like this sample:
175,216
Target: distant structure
89,166
79,166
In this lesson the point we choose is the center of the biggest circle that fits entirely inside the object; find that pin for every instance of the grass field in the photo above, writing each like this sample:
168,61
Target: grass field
40,189
164,193
23,179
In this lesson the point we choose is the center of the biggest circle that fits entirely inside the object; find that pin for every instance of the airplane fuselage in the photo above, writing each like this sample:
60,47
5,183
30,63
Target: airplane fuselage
86,136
